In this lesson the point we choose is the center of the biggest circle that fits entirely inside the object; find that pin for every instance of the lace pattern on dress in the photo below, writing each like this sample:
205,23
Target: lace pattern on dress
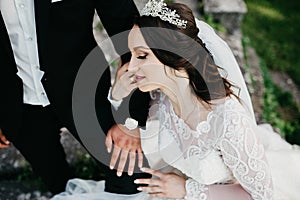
225,143
195,190
193,142
243,154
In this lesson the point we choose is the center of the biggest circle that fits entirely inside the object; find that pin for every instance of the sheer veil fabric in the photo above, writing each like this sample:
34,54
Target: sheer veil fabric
224,58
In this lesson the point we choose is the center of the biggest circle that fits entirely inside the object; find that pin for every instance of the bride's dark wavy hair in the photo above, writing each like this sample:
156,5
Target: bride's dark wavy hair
181,48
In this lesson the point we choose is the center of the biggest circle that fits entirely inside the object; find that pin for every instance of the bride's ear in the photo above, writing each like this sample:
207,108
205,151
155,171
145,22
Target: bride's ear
181,73
176,73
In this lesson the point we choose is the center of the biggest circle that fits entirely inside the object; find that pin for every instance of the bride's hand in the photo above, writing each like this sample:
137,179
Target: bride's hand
124,83
168,185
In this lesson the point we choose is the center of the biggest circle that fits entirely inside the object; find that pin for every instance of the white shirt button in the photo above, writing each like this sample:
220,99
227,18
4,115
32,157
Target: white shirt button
22,5
29,39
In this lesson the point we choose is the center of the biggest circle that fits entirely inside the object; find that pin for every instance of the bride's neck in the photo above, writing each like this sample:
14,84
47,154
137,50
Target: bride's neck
185,103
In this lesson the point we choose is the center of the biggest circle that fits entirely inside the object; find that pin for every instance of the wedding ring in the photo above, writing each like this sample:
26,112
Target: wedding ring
132,79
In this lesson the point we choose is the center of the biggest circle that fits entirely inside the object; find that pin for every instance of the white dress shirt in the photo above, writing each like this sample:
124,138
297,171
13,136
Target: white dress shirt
19,19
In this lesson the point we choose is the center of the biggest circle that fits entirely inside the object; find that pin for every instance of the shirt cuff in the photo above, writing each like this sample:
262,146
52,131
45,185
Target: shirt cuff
115,103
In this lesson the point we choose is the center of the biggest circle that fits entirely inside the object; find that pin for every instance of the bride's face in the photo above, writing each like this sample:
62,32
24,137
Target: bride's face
150,73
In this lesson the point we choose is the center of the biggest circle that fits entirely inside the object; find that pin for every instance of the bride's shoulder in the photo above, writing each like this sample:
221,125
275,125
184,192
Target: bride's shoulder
230,104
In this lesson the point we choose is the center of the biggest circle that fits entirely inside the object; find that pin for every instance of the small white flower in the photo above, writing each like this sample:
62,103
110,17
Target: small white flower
131,124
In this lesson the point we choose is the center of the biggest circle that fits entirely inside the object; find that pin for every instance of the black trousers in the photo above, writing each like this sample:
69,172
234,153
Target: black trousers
39,143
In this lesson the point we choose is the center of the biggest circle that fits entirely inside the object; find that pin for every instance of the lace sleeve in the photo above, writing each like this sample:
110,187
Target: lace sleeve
195,190
244,155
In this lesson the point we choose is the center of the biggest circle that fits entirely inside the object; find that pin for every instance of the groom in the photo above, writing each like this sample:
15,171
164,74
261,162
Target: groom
42,45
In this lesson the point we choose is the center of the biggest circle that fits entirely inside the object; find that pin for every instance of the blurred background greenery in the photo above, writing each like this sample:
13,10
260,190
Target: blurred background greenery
272,28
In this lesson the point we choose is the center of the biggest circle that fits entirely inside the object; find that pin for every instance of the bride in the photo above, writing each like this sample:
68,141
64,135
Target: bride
201,139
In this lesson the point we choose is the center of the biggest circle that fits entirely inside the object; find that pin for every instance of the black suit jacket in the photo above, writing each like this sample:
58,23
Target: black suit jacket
65,38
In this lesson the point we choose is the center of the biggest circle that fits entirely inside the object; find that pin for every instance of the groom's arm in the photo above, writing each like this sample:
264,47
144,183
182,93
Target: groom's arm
118,16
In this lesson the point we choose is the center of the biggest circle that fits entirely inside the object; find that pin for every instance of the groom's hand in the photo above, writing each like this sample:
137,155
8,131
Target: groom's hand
4,143
126,144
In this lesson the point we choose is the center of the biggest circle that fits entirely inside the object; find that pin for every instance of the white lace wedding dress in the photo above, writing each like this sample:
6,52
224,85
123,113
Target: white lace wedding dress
227,147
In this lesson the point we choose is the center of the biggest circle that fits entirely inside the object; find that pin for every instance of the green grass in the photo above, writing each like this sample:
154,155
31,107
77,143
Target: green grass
280,109
87,168
24,176
273,27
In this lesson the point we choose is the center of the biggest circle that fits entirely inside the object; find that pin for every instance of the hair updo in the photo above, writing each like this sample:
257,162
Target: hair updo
181,48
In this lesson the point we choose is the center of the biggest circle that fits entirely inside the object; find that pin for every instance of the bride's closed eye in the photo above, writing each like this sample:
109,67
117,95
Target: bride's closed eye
142,56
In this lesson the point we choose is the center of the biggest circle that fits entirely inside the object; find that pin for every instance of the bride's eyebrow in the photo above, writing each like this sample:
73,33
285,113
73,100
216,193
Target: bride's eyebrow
140,47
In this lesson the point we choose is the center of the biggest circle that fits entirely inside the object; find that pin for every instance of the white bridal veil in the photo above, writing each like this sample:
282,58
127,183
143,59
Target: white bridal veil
224,58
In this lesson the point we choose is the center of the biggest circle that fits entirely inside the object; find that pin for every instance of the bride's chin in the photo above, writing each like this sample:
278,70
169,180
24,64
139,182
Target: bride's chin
145,88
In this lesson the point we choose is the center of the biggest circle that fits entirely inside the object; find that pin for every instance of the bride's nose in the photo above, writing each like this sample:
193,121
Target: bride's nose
133,65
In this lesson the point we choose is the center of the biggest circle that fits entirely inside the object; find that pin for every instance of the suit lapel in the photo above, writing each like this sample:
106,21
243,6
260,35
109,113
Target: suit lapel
42,12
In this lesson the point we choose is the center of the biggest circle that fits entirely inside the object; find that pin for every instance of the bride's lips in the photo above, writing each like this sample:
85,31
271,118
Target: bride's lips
139,78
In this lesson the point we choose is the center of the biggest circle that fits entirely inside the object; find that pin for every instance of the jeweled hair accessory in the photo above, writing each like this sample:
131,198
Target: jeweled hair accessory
157,8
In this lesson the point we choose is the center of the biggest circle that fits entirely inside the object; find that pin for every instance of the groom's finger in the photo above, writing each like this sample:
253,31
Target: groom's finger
108,142
140,158
122,162
132,158
115,156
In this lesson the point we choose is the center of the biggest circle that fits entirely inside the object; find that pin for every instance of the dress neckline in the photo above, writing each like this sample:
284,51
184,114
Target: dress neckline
164,98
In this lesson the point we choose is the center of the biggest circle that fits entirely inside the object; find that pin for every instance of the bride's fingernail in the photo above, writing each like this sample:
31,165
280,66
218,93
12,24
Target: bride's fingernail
108,150
136,181
139,189
130,173
119,174
111,167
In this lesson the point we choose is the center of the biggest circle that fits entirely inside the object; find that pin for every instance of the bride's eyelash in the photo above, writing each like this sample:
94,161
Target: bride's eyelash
142,57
